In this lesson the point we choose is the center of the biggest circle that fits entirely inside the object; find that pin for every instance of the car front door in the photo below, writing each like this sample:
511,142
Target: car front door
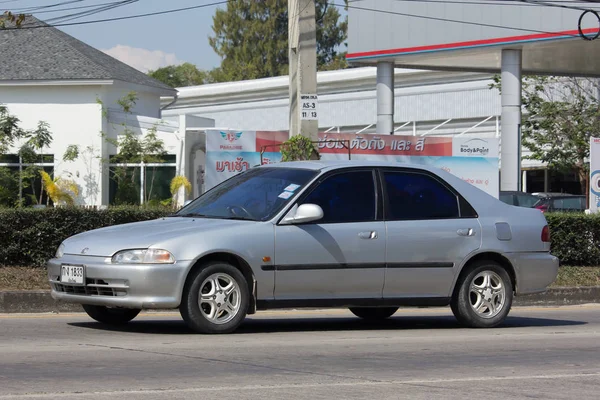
431,229
341,256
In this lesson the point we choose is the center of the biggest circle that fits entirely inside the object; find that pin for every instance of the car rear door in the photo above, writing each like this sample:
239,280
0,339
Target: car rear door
430,231
342,256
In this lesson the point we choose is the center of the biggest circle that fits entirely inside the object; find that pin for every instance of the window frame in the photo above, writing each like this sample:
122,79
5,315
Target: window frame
316,182
462,204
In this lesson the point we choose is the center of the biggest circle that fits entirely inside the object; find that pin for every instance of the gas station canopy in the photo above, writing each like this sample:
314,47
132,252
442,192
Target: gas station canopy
469,35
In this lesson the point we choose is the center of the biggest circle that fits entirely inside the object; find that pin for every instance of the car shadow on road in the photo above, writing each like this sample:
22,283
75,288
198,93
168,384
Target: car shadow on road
255,324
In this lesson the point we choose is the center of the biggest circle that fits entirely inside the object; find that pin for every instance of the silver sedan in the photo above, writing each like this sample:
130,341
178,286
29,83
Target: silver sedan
368,236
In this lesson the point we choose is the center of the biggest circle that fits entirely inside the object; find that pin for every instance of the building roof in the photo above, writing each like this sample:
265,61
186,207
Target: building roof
348,81
39,52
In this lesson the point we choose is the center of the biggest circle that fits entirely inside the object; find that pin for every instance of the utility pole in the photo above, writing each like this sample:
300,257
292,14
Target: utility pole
304,102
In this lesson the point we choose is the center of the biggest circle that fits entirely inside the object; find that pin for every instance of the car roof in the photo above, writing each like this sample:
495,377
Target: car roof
320,165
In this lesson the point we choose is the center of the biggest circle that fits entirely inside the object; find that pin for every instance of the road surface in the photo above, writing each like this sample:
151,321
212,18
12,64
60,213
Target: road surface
541,353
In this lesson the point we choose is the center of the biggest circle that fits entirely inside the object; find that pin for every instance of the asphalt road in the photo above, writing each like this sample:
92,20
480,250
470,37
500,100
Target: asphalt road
545,353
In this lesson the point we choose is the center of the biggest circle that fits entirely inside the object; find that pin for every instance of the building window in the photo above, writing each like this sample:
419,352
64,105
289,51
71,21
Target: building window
141,183
21,182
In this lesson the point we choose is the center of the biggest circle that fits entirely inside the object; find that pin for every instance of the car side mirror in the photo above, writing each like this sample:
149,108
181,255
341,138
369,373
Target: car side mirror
302,214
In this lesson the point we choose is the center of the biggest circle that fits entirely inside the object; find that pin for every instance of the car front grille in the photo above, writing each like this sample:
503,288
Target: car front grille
93,287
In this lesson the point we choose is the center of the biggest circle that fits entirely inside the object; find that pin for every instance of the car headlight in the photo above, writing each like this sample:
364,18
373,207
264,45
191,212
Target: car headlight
60,251
143,256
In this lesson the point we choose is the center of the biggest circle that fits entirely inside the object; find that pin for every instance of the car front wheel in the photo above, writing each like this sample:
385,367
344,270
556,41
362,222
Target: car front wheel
484,296
373,313
111,316
215,299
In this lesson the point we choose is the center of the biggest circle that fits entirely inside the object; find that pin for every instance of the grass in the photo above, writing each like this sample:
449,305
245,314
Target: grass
21,278
577,276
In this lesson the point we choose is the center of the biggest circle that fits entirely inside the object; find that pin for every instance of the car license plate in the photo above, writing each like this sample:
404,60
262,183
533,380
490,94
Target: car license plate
72,274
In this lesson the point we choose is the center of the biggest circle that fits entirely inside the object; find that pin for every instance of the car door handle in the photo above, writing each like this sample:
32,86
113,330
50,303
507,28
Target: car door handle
466,232
368,235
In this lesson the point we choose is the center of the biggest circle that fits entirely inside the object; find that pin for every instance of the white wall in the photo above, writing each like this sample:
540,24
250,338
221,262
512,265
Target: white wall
74,119
148,103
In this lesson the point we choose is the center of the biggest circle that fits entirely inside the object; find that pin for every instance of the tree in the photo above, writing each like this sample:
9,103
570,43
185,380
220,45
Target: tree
299,148
178,183
33,151
185,74
9,129
8,18
251,37
561,114
134,149
60,191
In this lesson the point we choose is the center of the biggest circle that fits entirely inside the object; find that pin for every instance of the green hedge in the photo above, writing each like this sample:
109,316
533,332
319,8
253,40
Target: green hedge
575,238
29,237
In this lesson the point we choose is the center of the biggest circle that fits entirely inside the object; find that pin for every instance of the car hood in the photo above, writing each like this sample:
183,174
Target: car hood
105,242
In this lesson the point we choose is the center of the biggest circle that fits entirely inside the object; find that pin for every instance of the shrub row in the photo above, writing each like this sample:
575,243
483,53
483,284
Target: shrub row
29,237
575,238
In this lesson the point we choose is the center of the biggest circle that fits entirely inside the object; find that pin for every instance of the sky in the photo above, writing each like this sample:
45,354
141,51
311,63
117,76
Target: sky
144,43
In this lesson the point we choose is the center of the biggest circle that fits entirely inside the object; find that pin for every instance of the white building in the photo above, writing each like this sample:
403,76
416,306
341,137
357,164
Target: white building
47,75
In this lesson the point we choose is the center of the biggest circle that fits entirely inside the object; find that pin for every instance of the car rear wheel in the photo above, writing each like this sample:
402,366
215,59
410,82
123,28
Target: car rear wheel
111,316
484,296
373,313
215,299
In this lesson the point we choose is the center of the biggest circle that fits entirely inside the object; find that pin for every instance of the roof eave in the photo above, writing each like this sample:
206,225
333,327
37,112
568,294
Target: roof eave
55,82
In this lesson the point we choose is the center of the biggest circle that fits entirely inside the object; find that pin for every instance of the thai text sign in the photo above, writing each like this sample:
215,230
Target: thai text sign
473,159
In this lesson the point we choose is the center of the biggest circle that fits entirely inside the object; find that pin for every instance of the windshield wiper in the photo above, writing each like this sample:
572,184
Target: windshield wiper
240,218
195,215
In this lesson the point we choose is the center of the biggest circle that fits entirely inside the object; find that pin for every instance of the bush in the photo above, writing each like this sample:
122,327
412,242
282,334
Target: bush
575,238
30,237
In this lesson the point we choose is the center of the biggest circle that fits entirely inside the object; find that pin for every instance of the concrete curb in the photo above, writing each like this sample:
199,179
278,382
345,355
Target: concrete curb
40,301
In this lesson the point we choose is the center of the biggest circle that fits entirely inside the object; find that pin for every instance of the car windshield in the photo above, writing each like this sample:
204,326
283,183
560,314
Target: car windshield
257,194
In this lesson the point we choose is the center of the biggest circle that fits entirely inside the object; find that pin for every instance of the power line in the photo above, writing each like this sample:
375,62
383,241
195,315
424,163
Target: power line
33,9
31,26
76,8
450,20
81,14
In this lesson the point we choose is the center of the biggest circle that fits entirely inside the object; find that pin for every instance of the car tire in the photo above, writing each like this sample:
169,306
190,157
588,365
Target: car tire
373,313
216,311
484,295
111,316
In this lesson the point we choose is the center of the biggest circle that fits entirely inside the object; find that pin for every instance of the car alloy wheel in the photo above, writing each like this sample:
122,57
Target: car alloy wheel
219,298
487,294
483,295
215,298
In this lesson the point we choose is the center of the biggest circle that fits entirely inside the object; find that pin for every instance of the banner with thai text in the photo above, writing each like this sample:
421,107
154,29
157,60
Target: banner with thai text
472,159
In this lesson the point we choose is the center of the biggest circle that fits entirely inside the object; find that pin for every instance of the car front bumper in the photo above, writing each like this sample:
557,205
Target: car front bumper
120,285
534,271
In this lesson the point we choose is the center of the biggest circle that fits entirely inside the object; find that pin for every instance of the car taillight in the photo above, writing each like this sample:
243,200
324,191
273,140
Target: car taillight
542,208
546,234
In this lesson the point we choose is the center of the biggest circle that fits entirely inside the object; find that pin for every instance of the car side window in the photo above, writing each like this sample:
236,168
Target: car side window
345,197
413,196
